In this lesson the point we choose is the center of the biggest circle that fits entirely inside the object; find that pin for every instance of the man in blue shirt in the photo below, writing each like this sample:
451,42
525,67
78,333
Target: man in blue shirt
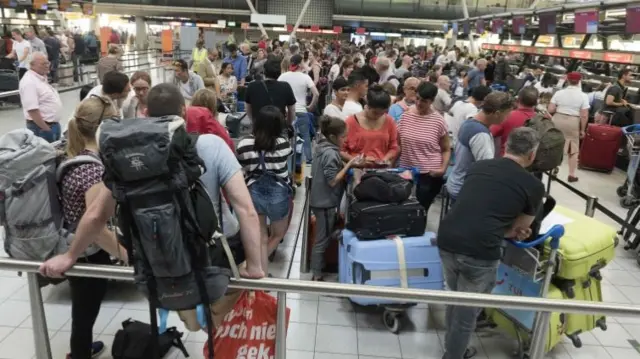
475,77
239,63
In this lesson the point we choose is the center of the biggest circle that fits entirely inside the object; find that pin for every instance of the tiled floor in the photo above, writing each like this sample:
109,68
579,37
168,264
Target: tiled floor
324,327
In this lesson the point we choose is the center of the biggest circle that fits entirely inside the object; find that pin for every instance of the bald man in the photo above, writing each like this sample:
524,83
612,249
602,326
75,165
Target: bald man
443,98
404,68
409,99
475,77
41,103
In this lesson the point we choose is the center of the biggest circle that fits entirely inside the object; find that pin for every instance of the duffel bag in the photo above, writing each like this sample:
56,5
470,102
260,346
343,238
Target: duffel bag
376,220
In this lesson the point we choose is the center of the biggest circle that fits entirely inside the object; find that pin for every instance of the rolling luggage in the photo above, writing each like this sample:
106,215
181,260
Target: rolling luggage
374,220
9,81
517,323
331,254
587,246
588,289
412,262
599,148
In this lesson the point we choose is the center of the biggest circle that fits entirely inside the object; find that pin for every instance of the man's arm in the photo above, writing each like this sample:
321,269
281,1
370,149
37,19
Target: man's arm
482,146
240,200
25,54
30,102
243,73
314,93
89,228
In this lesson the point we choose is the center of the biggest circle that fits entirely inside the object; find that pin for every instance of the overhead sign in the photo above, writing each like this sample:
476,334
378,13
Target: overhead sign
497,26
87,9
244,26
337,29
65,5
518,25
586,21
268,19
361,31
547,23
633,19
40,4
315,28
595,55
289,28
480,26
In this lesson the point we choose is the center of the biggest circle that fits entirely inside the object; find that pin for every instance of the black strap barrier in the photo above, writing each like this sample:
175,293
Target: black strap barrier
623,223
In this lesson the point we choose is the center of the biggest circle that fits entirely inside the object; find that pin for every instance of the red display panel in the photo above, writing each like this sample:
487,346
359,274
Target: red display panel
497,26
315,28
480,26
633,19
361,31
547,23
518,25
337,29
586,21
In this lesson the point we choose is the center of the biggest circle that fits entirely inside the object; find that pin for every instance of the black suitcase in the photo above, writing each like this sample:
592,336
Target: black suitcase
375,220
9,81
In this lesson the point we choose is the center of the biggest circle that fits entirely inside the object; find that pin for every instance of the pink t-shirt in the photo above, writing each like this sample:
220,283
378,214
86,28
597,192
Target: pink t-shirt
420,138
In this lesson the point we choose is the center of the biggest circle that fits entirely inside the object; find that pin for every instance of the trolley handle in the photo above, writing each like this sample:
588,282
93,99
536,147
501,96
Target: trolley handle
555,233
631,129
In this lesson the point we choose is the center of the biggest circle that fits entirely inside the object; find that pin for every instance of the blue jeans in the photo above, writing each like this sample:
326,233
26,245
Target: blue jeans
464,274
52,135
271,199
302,124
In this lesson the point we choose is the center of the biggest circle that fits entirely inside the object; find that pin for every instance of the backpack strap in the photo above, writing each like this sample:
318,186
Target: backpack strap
76,161
262,163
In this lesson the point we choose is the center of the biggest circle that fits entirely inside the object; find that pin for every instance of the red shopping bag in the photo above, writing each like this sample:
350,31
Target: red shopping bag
249,330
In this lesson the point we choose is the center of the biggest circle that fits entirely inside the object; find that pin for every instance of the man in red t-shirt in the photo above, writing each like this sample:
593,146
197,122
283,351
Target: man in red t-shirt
527,102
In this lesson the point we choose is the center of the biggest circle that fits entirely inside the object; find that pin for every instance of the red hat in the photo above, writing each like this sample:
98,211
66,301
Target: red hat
574,76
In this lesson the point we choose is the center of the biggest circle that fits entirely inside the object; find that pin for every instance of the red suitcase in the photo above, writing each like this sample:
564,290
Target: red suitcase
600,147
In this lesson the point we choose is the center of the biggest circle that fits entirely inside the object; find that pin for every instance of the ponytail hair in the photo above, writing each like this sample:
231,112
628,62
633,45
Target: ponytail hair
83,126
332,128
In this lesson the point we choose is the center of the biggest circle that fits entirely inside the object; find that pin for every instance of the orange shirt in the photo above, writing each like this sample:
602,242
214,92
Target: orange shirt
371,143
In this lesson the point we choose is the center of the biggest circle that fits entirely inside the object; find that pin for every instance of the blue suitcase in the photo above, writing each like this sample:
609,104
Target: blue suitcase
376,262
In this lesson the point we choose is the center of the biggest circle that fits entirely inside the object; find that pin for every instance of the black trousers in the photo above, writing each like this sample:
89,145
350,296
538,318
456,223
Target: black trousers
427,190
86,298
21,72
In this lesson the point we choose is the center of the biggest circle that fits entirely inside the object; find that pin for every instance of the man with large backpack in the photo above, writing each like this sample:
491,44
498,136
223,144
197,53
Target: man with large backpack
166,216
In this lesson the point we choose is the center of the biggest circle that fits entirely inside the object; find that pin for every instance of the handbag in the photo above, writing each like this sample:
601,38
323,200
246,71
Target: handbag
133,341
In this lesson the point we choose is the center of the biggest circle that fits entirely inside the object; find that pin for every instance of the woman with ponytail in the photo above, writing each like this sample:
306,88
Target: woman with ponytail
79,187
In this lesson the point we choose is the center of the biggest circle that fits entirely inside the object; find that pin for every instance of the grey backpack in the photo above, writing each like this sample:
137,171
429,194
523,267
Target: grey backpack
30,208
551,147
168,221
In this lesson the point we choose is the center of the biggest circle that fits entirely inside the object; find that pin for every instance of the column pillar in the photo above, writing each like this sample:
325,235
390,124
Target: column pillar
141,33
465,12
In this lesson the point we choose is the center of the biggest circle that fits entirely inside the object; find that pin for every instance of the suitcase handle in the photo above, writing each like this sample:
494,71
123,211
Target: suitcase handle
555,233
632,129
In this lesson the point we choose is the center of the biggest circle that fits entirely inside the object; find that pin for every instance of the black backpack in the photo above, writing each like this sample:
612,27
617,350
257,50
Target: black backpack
134,341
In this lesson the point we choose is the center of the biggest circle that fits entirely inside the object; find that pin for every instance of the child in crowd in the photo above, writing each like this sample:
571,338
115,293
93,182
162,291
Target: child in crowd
543,103
328,186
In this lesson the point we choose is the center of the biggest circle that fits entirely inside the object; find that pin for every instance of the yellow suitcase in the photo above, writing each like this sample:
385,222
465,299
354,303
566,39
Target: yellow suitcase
587,246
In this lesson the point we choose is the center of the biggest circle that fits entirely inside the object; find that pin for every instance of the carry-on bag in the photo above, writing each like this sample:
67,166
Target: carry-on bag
331,254
134,341
587,246
411,262
375,220
600,147
587,289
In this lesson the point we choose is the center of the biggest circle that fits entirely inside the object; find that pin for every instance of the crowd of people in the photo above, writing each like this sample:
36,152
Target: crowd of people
366,107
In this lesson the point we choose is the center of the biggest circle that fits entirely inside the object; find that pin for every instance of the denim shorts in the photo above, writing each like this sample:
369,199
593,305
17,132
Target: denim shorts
270,199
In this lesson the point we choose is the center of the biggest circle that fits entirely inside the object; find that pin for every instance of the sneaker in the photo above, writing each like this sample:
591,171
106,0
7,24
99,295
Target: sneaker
470,353
96,349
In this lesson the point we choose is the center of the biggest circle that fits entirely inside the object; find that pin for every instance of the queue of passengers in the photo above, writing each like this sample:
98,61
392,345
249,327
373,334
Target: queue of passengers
423,127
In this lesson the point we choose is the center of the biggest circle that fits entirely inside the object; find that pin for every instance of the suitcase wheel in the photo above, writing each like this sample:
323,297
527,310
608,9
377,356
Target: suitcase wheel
575,340
601,323
392,320
627,202
622,190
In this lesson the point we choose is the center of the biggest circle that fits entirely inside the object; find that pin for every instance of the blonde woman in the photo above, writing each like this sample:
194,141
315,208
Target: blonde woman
80,186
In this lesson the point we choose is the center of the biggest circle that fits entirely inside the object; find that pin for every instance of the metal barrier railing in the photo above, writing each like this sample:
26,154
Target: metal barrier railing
283,286
93,80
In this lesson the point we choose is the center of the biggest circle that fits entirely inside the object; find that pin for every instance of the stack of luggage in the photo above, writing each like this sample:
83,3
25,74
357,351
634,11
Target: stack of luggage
586,247
9,80
385,244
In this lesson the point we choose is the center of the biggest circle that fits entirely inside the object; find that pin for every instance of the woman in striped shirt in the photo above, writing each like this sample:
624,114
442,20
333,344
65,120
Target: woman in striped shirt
264,156
424,144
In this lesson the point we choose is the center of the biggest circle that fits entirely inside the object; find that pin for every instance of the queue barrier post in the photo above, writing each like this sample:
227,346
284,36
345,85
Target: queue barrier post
590,209
304,251
281,326
38,318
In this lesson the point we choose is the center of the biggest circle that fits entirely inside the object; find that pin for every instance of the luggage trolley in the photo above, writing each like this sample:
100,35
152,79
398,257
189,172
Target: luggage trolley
526,270
627,190
421,269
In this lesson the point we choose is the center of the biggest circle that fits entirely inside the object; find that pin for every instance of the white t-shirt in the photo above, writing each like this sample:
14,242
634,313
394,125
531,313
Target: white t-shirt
19,48
351,108
334,72
300,83
570,101
334,111
459,112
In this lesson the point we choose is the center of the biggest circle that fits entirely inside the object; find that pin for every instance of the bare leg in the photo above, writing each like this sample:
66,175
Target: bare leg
264,243
278,230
